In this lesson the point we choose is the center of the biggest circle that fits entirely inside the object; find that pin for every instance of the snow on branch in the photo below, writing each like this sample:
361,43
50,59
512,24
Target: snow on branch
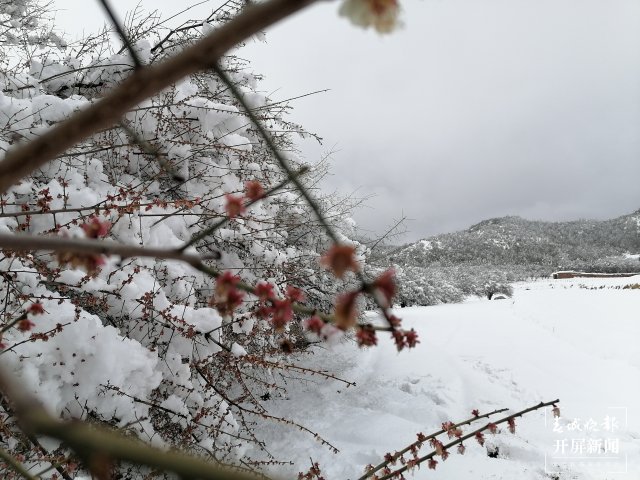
143,83
98,446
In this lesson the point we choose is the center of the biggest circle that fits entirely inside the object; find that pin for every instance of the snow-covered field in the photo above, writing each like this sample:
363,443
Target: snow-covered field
553,339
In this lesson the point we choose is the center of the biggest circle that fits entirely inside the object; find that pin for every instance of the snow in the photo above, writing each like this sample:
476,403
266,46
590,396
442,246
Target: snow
426,244
238,350
80,362
576,340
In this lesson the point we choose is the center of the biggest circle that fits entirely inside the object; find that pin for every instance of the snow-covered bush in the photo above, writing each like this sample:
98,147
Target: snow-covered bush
420,286
152,346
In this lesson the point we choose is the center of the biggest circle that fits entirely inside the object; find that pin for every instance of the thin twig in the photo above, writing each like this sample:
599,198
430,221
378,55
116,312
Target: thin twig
271,105
15,465
152,150
264,414
121,32
208,231
388,233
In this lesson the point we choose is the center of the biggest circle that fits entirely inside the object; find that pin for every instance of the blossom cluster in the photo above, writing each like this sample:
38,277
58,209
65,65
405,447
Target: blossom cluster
236,205
340,259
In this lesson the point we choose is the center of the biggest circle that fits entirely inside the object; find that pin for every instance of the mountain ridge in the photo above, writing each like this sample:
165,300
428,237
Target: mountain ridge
515,240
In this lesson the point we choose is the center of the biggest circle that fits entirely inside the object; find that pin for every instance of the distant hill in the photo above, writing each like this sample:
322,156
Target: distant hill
488,256
516,241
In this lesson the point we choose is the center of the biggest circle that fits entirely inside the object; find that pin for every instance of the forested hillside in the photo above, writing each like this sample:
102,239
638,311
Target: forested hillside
487,256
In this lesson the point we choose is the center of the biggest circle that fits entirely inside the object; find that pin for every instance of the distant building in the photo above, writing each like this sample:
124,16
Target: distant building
571,274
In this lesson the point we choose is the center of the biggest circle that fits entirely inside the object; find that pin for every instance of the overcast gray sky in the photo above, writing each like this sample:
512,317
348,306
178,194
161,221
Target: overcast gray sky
475,109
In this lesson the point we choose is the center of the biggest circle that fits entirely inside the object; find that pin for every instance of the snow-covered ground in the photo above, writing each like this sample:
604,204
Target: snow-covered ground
553,339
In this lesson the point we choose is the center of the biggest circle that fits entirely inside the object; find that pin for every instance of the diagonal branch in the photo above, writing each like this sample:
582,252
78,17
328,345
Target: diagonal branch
90,440
97,247
284,165
142,84
208,231
419,442
469,435
276,152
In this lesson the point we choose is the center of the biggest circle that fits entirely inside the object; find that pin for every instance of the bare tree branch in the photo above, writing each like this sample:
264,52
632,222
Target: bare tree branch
62,244
417,443
453,443
91,440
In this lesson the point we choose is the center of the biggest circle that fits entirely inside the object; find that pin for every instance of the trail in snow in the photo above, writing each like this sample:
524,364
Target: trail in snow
554,339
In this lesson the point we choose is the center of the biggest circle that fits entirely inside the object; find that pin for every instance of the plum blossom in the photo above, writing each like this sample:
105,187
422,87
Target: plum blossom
36,308
227,297
96,228
366,336
25,325
512,425
385,287
346,312
235,205
254,190
339,259
314,324
264,291
382,15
